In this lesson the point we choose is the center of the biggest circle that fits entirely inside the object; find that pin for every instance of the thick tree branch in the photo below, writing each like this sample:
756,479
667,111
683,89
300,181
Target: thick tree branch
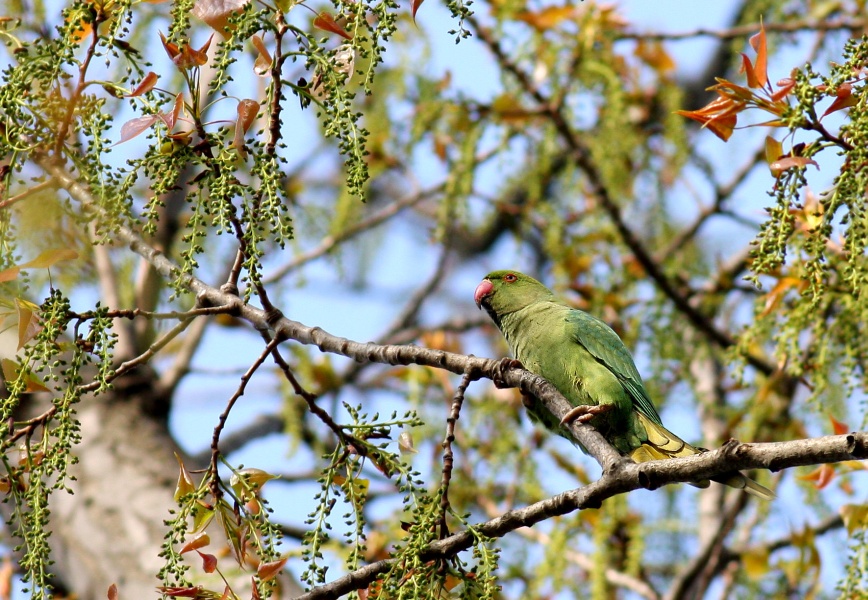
620,475
776,455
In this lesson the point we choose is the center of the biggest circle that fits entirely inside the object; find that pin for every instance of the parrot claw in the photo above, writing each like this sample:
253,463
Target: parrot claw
504,365
585,412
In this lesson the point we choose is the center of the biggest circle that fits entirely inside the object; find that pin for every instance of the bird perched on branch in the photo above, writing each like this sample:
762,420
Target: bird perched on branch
589,364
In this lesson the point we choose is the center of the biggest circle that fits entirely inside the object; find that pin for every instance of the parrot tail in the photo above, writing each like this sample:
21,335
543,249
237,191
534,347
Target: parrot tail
662,444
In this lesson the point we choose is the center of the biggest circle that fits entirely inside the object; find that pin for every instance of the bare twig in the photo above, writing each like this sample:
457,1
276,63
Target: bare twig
329,242
581,155
840,24
213,473
109,293
448,457
181,363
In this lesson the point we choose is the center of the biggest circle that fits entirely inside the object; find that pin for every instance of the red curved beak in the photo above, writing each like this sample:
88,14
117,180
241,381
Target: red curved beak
484,289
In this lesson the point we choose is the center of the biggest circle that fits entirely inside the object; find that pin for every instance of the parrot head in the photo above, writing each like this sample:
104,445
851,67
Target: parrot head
503,292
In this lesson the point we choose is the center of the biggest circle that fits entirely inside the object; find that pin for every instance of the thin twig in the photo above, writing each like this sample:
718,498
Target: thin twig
213,473
329,242
448,457
840,24
581,155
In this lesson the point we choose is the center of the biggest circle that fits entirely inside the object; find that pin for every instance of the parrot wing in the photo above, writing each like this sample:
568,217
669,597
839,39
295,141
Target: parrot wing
604,344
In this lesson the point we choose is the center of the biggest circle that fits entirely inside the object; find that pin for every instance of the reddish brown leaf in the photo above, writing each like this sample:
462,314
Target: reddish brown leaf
247,111
171,48
326,22
415,8
136,126
182,592
838,427
190,57
270,570
146,85
112,592
254,593
732,91
844,98
760,69
209,562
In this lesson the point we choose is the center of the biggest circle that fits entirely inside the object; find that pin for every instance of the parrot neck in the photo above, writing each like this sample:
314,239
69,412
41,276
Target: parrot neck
519,327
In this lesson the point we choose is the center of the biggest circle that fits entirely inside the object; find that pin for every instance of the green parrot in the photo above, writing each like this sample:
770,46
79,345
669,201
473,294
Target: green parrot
589,364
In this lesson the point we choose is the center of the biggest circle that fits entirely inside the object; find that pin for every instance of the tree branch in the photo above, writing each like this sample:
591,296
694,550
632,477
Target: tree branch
619,476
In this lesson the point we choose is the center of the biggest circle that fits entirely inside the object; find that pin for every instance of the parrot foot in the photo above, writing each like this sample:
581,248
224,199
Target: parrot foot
585,412
504,365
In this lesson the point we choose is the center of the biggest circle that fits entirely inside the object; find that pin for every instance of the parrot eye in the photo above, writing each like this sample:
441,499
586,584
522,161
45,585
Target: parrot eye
509,278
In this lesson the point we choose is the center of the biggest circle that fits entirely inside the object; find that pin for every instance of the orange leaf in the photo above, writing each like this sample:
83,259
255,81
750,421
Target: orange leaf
326,22
270,570
838,427
777,293
147,84
760,69
747,69
785,86
655,56
200,541
9,274
821,476
721,125
844,98
548,17
112,592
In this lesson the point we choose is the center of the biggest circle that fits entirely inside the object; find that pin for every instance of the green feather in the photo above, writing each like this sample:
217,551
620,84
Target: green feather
590,365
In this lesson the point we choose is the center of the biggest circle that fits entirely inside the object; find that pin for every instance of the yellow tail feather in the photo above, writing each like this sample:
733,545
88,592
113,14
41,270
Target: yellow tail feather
663,444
